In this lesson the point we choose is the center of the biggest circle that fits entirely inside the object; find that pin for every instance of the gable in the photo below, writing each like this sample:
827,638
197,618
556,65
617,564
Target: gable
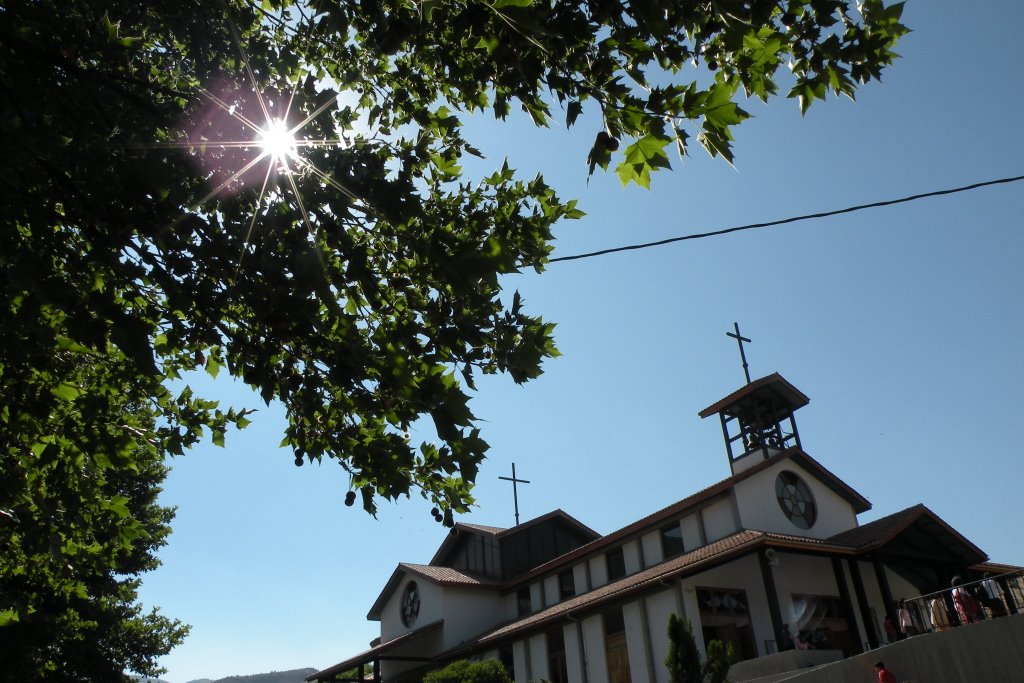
430,597
501,554
437,576
474,553
759,507
527,547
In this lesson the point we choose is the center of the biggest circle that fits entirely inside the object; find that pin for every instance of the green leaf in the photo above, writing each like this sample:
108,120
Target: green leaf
502,4
111,27
213,364
572,112
643,156
119,506
66,391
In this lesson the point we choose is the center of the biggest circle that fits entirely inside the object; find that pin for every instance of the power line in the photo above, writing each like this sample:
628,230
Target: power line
793,219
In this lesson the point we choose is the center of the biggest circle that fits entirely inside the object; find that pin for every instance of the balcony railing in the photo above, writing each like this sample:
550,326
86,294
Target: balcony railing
967,603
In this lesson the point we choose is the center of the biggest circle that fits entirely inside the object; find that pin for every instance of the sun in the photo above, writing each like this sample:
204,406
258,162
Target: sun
232,125
277,141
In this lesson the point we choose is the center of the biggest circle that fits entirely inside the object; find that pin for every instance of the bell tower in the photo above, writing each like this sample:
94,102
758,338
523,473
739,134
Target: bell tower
757,420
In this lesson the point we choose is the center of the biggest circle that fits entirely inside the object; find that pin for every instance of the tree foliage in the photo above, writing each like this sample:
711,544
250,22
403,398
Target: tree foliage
684,662
720,658
465,671
81,528
364,295
358,279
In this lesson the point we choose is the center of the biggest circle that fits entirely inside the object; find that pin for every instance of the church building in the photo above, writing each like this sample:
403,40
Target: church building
770,553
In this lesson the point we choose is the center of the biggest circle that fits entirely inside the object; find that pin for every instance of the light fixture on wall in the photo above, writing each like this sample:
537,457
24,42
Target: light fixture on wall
772,557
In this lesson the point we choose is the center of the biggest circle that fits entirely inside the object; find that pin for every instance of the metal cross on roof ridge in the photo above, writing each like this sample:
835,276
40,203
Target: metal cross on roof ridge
743,356
515,489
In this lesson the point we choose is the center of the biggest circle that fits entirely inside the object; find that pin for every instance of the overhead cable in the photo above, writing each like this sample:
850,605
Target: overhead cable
783,221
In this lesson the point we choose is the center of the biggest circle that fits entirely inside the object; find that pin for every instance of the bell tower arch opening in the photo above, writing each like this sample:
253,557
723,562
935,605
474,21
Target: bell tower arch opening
757,420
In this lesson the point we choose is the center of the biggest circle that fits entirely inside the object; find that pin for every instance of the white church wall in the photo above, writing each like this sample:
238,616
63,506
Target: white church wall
510,606
485,655
875,601
579,578
520,657
652,551
593,637
691,532
900,587
536,596
744,574
431,608
539,658
719,520
862,634
390,670
801,575
745,462
635,646
659,607
468,612
573,662
692,612
598,571
429,643
631,555
550,590
759,508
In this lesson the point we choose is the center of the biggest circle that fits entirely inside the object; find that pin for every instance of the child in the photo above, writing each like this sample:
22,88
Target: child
884,675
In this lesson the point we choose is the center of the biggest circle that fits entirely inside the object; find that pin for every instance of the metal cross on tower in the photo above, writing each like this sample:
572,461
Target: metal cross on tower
515,489
743,356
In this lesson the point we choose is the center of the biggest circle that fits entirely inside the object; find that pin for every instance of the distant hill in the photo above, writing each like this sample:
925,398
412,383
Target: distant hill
293,676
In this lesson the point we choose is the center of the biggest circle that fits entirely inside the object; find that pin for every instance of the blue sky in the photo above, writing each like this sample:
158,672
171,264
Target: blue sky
903,325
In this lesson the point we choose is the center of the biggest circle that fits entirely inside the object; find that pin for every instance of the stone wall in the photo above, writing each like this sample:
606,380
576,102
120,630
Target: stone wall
780,666
990,651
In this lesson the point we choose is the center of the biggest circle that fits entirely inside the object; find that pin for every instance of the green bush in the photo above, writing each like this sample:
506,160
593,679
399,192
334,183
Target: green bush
683,661
465,671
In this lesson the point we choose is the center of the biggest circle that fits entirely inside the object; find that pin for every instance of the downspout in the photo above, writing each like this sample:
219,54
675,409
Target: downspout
677,588
700,528
646,633
771,594
581,646
529,658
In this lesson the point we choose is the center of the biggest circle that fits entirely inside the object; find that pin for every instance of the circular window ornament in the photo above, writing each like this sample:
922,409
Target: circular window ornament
795,499
410,603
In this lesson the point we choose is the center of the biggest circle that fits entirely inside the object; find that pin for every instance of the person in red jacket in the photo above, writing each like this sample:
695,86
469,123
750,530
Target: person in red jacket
884,675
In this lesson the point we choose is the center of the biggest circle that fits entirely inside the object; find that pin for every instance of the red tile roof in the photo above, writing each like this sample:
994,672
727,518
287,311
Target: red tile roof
446,576
741,542
651,521
489,530
883,531
794,396
997,568
879,530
